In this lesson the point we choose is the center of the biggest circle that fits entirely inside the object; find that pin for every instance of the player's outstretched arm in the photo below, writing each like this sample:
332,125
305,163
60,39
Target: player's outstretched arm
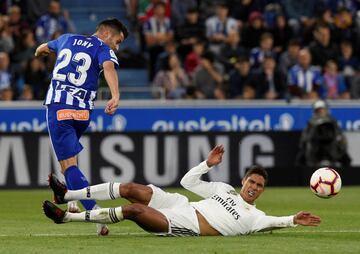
113,83
307,219
42,50
215,156
191,180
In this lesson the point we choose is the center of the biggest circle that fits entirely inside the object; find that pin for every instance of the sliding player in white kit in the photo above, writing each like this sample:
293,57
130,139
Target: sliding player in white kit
223,211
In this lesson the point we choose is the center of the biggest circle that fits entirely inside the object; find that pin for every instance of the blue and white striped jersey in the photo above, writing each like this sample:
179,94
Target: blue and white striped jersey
77,68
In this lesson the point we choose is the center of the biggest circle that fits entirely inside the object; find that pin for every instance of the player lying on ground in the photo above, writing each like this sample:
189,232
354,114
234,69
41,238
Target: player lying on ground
223,211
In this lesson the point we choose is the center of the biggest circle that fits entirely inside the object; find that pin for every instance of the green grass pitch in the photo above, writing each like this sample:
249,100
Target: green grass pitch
24,228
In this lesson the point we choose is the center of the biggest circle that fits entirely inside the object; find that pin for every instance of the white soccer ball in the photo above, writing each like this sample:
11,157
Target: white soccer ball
325,182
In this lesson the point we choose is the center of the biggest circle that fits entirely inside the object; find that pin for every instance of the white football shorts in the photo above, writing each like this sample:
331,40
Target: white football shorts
180,214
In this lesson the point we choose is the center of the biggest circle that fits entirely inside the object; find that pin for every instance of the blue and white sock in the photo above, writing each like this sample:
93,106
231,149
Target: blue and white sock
75,180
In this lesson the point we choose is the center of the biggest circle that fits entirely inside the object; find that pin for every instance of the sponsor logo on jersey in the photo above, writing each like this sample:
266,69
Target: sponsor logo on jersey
229,205
72,114
232,192
74,91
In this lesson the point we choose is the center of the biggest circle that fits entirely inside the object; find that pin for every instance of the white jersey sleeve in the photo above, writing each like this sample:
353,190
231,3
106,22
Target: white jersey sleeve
191,181
267,223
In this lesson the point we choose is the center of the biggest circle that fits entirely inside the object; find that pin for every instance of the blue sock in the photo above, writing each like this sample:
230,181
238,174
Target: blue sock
75,180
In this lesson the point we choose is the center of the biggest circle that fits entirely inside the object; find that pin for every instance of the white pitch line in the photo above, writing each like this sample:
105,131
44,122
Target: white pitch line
144,233
59,235
317,231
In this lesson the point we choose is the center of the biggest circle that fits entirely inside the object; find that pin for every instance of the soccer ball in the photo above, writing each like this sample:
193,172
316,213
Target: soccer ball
325,182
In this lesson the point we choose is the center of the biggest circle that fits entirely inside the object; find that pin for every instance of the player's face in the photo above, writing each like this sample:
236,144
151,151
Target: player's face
252,188
113,40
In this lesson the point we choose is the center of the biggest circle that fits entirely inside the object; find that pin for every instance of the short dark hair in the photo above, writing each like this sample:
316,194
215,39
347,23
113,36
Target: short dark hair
160,3
208,55
115,24
294,42
259,170
192,10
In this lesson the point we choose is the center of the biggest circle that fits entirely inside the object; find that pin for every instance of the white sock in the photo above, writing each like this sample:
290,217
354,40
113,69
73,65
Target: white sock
103,215
104,191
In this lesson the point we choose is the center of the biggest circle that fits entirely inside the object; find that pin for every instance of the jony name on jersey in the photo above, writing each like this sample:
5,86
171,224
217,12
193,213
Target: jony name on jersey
229,205
86,44
74,91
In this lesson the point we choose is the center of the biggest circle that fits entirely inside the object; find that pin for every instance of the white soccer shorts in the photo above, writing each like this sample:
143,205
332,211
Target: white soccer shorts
180,214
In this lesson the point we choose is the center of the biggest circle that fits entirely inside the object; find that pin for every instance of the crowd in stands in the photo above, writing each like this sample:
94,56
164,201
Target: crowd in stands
251,49
23,26
206,49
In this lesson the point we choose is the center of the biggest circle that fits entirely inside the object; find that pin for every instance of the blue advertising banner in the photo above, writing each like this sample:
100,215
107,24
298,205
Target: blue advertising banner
185,118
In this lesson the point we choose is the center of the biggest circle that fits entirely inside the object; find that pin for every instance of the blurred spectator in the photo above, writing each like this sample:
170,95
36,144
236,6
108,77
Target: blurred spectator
16,23
231,51
241,9
269,82
34,9
355,86
6,41
270,13
36,78
322,142
282,34
132,7
193,59
191,31
335,5
146,9
240,80
348,63
179,9
334,86
304,79
172,78
290,57
162,59
158,32
266,48
220,27
207,8
27,93
6,94
301,14
51,22
25,49
5,75
322,49
208,77
344,26
253,30
191,93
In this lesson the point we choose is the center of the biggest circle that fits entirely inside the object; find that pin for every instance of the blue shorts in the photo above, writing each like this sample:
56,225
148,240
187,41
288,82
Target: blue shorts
66,124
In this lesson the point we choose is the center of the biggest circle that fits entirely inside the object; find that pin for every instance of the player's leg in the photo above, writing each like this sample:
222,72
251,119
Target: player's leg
65,133
146,217
135,193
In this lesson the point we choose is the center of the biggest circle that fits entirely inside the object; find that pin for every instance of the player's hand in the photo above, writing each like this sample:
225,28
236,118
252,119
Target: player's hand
306,219
111,106
215,156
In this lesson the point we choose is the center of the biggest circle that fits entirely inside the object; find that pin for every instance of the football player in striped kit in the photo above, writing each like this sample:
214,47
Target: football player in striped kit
222,211
72,91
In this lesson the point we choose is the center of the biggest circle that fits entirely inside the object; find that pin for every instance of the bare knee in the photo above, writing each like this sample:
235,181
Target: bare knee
126,189
133,210
134,191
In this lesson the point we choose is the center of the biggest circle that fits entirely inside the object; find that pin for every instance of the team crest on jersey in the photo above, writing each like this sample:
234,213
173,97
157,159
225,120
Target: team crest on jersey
232,192
112,54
